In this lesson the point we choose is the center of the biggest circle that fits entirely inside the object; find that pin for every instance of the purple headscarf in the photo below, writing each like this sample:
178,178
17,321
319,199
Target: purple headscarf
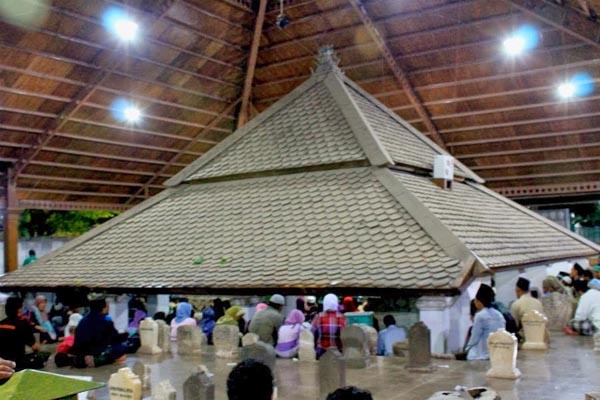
294,317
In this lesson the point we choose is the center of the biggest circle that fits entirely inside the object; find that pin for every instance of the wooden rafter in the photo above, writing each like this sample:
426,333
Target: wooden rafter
69,205
251,65
564,18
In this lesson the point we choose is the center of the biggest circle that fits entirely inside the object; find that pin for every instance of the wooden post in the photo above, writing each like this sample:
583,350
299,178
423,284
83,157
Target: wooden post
11,224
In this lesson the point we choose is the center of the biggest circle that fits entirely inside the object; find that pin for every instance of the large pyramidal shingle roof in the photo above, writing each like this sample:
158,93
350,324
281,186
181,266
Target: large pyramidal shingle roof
325,189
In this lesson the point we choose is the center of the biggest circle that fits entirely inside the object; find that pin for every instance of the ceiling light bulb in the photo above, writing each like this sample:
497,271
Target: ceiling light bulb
132,114
566,90
514,45
126,29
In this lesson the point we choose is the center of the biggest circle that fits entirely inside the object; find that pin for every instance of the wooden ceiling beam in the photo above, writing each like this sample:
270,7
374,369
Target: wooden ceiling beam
548,190
178,155
53,164
519,123
69,205
78,193
543,135
561,17
243,115
528,150
555,174
217,17
532,163
85,181
398,73
62,150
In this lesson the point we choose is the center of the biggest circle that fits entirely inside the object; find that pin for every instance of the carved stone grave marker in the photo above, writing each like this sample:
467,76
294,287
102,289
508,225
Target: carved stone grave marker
534,327
164,391
503,355
307,346
164,336
200,385
226,340
124,385
356,346
262,352
149,337
331,373
419,348
190,340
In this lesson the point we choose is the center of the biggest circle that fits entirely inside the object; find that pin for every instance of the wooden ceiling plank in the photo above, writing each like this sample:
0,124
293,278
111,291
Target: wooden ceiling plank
532,163
544,175
62,150
138,78
78,193
243,115
180,153
549,189
521,137
564,18
95,169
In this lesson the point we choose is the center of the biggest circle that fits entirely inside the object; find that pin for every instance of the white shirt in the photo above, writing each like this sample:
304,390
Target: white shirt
589,307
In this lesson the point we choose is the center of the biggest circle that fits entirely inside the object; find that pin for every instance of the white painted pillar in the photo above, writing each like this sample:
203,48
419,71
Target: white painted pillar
118,308
434,311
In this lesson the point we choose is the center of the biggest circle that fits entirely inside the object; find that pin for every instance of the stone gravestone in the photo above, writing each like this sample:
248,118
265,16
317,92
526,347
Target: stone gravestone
307,346
558,308
199,386
149,337
503,355
597,342
331,373
262,352
143,372
401,348
226,339
164,336
124,385
534,328
419,348
371,338
190,340
356,346
250,338
164,391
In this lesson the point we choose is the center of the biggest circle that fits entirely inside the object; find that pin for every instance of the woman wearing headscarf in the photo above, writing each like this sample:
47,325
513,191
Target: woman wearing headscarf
559,303
288,338
328,325
348,304
233,316
183,317
207,323
139,314
39,320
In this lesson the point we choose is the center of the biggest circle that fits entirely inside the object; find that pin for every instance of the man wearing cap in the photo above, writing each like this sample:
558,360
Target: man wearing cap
311,309
487,320
266,323
524,303
587,316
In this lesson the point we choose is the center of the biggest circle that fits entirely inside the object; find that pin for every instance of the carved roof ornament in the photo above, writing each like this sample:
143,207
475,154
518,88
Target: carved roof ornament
327,61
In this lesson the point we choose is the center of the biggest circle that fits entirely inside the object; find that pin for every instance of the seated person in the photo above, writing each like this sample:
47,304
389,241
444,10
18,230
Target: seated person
39,319
15,334
183,317
288,338
233,316
487,320
390,335
327,326
97,342
587,316
62,357
250,380
349,393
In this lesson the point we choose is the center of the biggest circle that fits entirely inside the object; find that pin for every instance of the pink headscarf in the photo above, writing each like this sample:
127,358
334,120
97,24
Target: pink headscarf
260,307
39,299
294,317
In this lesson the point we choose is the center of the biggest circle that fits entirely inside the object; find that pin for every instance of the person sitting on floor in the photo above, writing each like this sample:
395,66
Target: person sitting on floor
97,342
63,350
207,323
349,393
587,316
183,317
266,323
524,303
487,320
15,334
388,336
39,320
288,341
250,380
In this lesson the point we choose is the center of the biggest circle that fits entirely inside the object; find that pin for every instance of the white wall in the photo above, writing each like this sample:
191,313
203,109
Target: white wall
41,245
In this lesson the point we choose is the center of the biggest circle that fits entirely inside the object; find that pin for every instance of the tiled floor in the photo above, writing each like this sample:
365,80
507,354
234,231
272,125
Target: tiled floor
566,372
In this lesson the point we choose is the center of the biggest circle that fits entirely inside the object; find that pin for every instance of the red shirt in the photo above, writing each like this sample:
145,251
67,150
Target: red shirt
329,327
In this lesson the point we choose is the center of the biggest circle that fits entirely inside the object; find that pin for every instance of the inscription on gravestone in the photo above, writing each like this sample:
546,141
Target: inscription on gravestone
503,355
124,385
149,337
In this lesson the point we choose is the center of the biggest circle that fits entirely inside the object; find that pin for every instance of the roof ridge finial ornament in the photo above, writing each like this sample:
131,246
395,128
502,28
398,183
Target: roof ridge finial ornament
327,61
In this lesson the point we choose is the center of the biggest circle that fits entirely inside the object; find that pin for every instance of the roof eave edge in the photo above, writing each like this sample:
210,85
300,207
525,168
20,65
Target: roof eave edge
469,174
537,216
369,142
434,227
103,227
230,140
